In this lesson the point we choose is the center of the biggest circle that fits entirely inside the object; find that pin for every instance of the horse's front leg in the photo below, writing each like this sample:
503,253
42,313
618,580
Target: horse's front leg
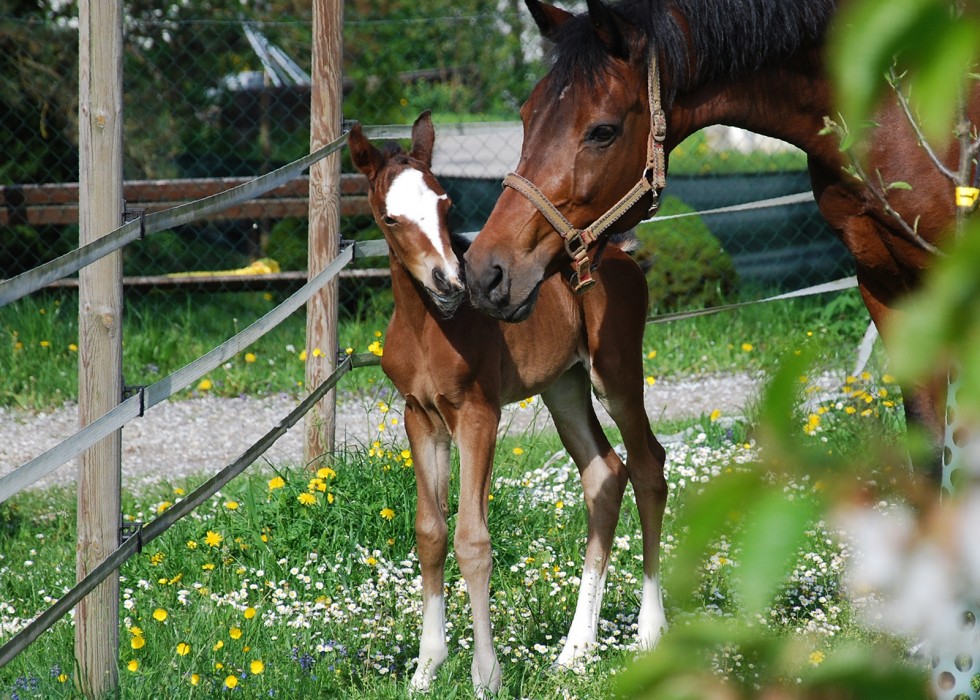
430,456
476,436
603,481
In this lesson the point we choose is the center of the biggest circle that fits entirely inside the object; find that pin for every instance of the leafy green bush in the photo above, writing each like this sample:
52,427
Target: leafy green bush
684,263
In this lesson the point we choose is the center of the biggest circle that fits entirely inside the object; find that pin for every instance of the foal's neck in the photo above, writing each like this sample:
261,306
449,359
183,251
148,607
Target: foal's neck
412,303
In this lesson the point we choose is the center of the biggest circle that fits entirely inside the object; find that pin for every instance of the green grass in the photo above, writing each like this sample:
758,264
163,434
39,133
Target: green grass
162,333
334,584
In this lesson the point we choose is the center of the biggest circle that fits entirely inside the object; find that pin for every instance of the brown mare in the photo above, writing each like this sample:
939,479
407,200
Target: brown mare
756,64
456,367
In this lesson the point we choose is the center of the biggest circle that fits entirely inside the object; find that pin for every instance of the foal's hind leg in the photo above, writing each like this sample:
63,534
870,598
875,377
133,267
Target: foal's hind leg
617,378
430,455
603,482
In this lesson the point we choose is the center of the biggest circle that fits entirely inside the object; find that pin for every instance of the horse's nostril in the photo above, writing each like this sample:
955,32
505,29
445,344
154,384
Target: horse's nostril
497,287
440,281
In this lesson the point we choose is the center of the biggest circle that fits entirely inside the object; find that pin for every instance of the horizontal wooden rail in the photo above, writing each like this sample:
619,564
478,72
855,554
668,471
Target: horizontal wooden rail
57,204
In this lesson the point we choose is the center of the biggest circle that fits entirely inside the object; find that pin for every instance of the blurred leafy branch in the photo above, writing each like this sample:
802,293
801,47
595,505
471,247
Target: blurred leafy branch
922,53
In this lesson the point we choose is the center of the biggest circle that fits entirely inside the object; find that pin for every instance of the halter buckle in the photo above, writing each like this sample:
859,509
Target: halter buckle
658,123
577,246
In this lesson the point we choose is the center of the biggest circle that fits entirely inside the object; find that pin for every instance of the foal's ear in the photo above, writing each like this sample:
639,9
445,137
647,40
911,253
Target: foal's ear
547,17
423,138
610,27
365,156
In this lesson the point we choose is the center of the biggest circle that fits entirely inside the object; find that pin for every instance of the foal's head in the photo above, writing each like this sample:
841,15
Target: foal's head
411,209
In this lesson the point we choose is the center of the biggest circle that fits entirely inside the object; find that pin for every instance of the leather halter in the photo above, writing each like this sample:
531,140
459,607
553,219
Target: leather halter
653,179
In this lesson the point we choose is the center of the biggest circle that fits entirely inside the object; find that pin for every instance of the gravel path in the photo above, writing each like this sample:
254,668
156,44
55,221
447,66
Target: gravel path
195,436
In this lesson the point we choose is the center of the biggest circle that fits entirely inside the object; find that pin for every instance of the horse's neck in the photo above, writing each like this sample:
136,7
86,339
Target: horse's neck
787,102
411,301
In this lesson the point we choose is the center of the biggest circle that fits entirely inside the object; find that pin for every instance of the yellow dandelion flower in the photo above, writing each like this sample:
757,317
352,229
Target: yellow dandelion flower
183,648
159,614
651,355
559,505
302,355
163,506
866,412
205,385
208,567
317,352
276,482
235,633
72,347
817,657
213,539
195,679
250,357
63,678
371,561
137,642
382,406
746,347
888,379
178,491
715,415
326,473
348,351
133,665
651,380
330,498
45,343
387,514
518,451
307,499
218,645
377,334
231,505
850,410
249,613
256,667
231,682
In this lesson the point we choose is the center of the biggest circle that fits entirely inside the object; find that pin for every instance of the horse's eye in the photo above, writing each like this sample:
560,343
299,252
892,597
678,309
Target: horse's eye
389,221
603,135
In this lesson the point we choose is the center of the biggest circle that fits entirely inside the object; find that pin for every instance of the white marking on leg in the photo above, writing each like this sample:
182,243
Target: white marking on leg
582,634
411,198
433,649
652,621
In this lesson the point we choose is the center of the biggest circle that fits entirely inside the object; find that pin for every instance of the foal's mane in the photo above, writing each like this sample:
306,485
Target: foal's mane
729,38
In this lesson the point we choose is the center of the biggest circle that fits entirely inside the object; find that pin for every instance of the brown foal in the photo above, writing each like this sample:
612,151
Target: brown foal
456,367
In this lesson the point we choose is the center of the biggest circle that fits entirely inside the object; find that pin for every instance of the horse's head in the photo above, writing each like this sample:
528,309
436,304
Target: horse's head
586,127
411,208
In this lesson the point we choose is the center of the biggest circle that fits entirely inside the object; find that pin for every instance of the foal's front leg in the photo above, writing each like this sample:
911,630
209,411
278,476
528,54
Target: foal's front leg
476,436
430,456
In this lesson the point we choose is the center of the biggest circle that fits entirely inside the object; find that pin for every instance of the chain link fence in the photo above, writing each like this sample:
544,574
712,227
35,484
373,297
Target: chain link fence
221,93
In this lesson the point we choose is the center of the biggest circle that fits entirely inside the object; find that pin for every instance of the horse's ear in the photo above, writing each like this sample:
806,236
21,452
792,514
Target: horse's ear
610,28
547,17
423,138
363,153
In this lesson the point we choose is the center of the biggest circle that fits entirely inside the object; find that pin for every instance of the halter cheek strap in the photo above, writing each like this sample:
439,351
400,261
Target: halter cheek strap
653,179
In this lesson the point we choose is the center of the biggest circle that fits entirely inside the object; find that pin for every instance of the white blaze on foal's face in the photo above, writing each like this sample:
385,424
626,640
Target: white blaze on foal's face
410,198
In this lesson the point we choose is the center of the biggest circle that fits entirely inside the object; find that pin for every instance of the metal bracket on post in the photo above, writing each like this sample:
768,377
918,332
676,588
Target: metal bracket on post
133,390
128,530
134,214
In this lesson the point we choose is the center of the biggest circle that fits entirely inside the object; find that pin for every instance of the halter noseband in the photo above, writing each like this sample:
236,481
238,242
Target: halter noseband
653,179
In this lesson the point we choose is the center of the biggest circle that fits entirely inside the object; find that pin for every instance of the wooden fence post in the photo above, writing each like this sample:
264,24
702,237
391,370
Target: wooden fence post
324,235
100,337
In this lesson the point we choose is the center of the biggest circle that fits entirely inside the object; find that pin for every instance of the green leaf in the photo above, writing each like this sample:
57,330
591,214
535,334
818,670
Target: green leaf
774,531
706,516
939,77
899,186
865,39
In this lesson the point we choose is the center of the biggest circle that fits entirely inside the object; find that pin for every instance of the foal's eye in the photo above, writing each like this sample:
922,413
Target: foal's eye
603,135
389,221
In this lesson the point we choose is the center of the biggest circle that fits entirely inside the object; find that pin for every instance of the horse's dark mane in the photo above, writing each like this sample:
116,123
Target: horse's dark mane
730,38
